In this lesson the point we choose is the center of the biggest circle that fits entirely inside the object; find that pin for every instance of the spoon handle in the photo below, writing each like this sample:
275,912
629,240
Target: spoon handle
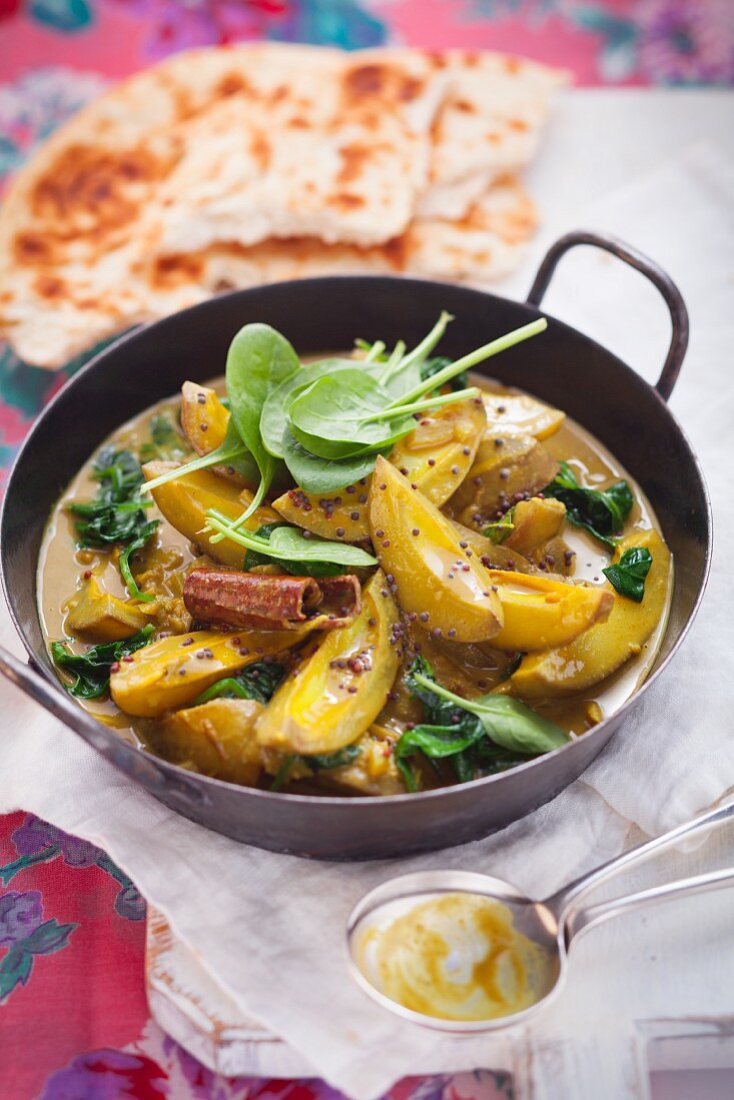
561,901
580,920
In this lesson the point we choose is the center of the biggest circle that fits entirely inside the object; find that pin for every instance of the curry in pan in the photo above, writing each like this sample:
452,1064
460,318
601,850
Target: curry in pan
362,574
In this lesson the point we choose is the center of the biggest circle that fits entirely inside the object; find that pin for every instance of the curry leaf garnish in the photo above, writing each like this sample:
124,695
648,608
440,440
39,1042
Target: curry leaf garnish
602,512
258,681
296,568
628,574
258,361
92,669
291,544
116,517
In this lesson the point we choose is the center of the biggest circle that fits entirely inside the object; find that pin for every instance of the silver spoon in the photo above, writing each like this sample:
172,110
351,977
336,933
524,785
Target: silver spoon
552,923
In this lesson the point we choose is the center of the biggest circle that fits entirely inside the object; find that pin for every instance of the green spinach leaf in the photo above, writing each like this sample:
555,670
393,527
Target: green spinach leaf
116,513
274,416
321,475
337,759
478,736
259,681
508,722
165,441
291,544
602,512
628,574
296,568
259,359
92,669
144,533
116,517
230,452
432,367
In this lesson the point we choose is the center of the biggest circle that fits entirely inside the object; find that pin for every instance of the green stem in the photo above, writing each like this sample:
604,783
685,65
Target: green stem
254,503
212,459
471,360
282,773
429,342
375,352
227,529
421,406
442,692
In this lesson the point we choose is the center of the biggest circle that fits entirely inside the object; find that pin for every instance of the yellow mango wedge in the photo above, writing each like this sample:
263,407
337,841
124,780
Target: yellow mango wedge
185,500
342,517
521,414
204,418
336,694
438,580
103,617
534,522
173,671
540,613
436,456
438,463
607,646
504,466
216,738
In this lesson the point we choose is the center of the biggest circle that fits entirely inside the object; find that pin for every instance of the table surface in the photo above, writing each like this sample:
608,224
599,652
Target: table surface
73,1016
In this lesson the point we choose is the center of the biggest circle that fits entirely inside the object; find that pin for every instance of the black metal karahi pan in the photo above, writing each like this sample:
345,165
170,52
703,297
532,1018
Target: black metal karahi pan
565,368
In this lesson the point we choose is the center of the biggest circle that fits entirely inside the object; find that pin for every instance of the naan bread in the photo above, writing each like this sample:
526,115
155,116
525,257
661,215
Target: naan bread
489,125
486,244
334,146
232,144
231,167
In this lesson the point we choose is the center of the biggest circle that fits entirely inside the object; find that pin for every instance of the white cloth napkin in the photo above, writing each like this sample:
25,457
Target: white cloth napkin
271,928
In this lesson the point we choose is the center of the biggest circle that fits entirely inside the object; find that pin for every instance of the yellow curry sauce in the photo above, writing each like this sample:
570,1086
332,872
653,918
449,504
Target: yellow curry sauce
469,669
454,957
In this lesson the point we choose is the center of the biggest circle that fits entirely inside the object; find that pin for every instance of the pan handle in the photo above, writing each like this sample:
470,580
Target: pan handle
656,275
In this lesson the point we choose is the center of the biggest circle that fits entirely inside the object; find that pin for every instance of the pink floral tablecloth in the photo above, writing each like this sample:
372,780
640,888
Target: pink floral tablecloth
74,1023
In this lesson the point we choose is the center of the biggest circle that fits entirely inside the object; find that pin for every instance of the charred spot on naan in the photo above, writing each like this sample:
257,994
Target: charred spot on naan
33,250
382,81
90,191
49,287
179,269
354,157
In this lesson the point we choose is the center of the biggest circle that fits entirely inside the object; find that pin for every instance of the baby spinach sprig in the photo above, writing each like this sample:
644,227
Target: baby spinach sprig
258,361
478,736
290,544
352,412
